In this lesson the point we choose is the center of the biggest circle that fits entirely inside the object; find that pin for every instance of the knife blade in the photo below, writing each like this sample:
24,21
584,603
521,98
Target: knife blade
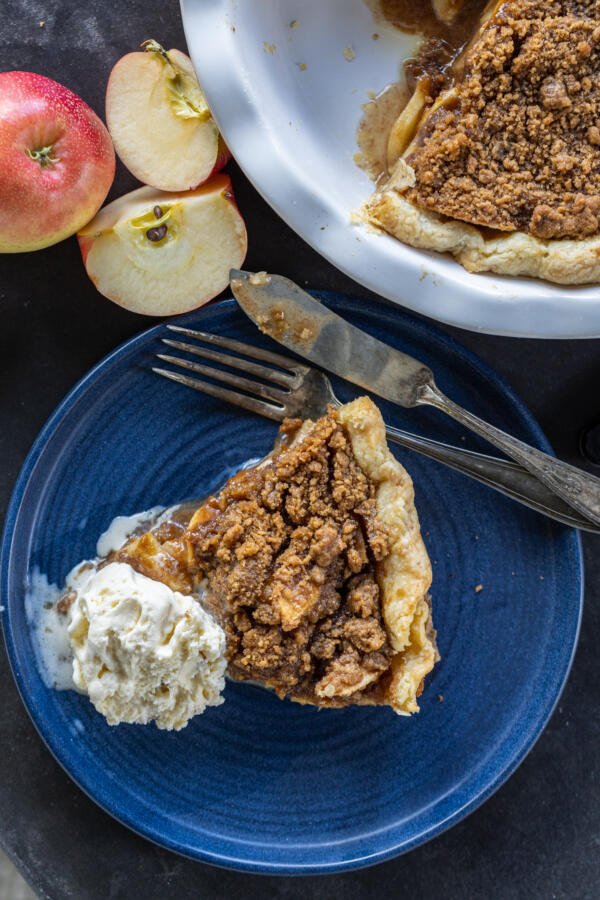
301,323
292,317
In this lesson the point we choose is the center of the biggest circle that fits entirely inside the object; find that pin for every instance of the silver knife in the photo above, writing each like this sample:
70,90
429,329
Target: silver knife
301,323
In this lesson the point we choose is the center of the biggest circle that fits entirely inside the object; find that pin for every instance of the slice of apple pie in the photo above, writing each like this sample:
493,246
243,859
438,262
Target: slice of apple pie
314,566
501,167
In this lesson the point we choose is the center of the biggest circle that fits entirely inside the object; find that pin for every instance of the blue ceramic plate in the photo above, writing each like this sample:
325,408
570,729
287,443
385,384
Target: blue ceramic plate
265,785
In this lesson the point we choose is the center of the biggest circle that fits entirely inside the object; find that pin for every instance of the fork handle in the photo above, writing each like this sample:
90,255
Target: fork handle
578,489
506,477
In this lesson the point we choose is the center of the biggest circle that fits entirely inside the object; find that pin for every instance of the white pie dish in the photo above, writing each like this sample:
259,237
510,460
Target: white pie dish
293,132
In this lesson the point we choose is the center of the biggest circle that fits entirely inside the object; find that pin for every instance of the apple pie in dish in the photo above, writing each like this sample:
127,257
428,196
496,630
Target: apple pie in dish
313,564
496,156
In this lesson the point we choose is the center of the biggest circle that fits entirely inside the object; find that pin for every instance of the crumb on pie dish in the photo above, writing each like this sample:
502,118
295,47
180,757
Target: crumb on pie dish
498,160
313,565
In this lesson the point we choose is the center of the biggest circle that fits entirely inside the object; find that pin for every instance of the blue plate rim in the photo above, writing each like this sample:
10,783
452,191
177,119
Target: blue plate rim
529,736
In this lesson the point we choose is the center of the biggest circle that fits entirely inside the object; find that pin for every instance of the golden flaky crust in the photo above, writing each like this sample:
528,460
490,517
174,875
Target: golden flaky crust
518,253
405,574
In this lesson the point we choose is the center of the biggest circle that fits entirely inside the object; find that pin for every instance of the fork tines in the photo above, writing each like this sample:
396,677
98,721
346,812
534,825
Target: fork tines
262,398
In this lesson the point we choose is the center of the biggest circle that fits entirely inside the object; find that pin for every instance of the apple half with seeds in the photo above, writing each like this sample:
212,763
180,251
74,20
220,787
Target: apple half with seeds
159,120
160,253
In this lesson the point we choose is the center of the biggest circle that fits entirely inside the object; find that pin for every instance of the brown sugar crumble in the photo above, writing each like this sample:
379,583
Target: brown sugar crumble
516,146
288,549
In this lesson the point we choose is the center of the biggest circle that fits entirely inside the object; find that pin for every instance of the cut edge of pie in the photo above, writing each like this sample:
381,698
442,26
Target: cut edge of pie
478,249
214,550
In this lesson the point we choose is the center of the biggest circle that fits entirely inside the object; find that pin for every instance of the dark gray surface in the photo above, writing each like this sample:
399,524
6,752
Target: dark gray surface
539,836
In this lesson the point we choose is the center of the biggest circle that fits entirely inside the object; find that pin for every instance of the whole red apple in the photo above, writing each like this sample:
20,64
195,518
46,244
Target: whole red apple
58,162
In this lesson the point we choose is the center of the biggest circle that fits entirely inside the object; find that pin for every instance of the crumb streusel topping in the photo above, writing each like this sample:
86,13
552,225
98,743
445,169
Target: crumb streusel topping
288,549
518,146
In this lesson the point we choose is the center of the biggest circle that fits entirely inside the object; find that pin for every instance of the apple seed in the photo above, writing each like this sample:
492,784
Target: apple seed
152,219
156,234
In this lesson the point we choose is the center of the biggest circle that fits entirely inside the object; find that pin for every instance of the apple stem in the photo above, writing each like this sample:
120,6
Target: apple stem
184,105
43,155
152,46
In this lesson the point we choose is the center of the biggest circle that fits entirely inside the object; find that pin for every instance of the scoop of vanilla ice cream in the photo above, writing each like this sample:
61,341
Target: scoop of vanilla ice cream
143,652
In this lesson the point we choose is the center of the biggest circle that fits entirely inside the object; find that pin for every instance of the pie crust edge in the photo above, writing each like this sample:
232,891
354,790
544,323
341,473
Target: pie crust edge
517,253
405,575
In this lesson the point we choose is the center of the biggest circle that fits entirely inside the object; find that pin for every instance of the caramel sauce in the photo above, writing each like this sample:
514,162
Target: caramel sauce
418,17
380,113
442,45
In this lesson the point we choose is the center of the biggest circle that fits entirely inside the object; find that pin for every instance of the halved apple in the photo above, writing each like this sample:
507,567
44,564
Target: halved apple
161,254
159,120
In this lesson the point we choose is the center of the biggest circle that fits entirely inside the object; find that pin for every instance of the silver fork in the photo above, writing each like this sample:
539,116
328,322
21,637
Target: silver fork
279,387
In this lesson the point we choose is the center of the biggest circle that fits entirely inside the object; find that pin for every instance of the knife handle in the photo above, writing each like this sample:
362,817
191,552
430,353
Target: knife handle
579,489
